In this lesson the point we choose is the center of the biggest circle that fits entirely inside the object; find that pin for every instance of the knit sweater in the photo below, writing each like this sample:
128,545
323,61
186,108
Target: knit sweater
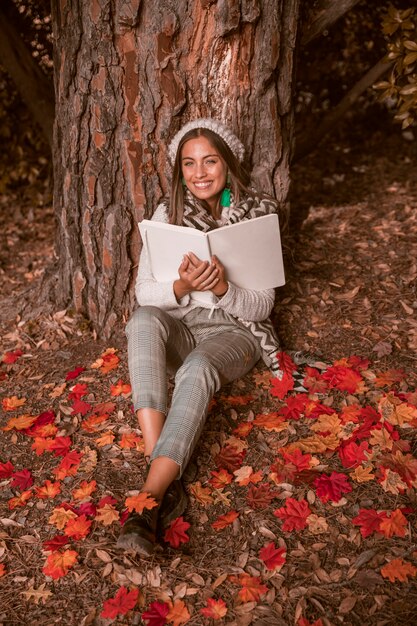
247,304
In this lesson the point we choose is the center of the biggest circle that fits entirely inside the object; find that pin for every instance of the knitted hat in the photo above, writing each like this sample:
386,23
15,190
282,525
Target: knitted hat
235,145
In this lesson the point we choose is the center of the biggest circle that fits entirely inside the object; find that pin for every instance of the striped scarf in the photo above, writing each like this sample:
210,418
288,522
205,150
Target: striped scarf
196,216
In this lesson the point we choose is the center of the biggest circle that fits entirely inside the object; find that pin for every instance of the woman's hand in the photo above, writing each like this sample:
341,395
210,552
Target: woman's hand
221,287
195,275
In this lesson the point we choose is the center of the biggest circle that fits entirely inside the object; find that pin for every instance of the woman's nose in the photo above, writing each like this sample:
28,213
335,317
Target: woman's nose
200,170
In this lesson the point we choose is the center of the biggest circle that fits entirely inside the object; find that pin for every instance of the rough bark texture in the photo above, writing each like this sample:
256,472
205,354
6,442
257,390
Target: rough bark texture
128,75
35,88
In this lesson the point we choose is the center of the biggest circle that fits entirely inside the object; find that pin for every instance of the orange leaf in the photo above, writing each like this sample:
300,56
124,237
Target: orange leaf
120,388
20,423
41,445
20,500
220,479
2,569
58,563
225,520
130,440
48,490
85,490
10,404
107,514
142,501
216,609
178,613
252,588
105,439
362,474
78,528
397,569
201,494
271,421
396,525
90,424
61,516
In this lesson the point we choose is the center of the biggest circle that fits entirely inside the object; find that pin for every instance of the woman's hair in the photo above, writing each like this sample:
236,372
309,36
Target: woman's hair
237,175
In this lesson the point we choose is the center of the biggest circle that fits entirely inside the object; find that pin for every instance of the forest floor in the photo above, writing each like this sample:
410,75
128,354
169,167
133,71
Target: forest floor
303,507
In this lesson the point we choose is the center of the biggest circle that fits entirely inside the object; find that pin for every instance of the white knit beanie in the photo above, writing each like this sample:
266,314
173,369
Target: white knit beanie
235,145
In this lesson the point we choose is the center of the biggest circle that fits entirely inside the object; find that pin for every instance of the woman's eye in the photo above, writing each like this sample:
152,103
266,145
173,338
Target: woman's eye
211,161
187,163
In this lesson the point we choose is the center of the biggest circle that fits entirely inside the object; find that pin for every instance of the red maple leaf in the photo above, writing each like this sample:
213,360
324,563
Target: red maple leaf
369,521
104,407
332,487
286,364
295,406
230,458
344,378
313,381
297,458
176,534
78,391
86,508
243,429
22,480
6,469
80,407
57,542
280,387
272,556
156,614
215,609
61,446
294,513
74,373
351,454
11,356
260,496
122,602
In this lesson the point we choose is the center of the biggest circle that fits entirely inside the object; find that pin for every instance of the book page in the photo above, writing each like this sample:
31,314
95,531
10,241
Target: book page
251,252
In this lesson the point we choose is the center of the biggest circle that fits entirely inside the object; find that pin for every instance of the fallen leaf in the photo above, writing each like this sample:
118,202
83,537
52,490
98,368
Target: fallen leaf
176,534
142,501
273,557
398,569
58,563
225,520
178,613
122,602
39,594
215,609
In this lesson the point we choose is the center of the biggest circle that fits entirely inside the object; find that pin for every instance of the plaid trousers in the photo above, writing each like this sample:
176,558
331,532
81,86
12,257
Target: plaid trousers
204,354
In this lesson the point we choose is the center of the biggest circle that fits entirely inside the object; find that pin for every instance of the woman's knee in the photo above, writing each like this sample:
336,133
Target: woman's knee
199,366
143,317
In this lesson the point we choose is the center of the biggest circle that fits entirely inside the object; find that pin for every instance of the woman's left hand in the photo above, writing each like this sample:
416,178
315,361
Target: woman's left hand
222,285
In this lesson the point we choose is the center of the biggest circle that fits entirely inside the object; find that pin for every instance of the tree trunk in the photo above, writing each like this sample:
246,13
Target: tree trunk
128,75
36,89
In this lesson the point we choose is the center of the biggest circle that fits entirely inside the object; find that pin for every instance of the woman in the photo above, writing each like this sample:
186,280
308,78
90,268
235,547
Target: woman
206,343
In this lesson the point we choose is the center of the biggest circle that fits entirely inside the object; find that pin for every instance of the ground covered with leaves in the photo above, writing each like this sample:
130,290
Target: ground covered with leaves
303,506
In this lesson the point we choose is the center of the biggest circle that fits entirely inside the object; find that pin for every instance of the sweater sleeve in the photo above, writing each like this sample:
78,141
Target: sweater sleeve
148,291
248,304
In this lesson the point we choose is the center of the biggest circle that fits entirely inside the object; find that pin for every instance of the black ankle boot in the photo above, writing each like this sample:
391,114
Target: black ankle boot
139,532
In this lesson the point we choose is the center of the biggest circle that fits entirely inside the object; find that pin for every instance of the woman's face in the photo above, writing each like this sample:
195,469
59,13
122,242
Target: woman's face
203,169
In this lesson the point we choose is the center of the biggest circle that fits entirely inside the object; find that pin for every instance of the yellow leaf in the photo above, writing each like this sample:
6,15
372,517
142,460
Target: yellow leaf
60,517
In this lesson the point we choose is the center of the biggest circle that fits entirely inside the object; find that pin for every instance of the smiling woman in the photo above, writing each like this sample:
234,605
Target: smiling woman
206,342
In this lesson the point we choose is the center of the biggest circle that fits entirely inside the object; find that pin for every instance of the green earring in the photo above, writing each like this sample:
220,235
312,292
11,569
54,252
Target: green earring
225,197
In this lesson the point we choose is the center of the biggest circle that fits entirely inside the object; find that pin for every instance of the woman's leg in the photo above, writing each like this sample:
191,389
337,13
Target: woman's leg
214,362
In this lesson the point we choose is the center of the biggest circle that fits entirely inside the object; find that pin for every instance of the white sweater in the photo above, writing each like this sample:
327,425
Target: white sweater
247,304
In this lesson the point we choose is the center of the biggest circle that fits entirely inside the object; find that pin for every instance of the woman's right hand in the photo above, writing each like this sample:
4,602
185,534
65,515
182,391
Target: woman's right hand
195,275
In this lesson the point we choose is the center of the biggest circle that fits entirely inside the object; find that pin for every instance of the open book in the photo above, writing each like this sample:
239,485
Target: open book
249,250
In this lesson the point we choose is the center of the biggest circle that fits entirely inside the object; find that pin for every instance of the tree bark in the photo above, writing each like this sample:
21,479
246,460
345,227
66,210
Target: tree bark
35,88
326,13
128,76
309,143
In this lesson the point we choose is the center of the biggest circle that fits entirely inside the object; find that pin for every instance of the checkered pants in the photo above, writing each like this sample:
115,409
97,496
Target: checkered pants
204,353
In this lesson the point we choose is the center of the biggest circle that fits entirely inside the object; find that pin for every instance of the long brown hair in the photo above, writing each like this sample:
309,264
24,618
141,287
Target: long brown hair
238,176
